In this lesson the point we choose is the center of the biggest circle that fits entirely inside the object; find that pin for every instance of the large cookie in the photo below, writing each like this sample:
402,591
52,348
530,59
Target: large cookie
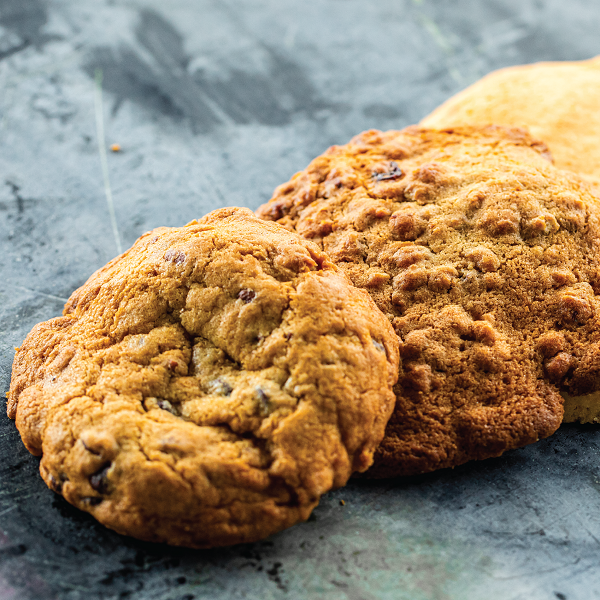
486,260
558,101
207,386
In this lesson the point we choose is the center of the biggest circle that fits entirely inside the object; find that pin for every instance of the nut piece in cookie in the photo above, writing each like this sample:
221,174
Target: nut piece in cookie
485,258
558,101
209,385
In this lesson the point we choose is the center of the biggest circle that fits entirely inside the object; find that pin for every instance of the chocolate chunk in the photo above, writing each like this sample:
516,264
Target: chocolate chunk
92,500
247,296
221,387
166,405
55,484
395,172
99,480
176,257
263,401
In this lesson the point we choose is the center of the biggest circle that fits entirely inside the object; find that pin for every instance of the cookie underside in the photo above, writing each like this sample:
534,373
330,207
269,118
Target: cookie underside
582,409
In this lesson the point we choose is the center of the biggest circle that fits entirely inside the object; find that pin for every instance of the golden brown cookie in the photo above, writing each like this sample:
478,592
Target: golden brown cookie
485,258
209,385
559,102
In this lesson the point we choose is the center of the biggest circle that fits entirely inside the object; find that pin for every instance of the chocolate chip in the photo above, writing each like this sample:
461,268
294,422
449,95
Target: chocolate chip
176,257
221,387
55,484
247,296
263,400
99,480
166,405
92,500
395,172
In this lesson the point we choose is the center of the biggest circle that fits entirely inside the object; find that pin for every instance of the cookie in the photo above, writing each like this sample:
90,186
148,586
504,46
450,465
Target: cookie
558,101
486,260
208,386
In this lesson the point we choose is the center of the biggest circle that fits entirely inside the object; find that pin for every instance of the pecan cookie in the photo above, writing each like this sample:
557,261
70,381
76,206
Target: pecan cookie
485,258
558,101
207,386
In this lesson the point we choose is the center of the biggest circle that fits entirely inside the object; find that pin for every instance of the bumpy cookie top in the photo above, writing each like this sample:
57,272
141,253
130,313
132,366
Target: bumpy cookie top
485,258
207,386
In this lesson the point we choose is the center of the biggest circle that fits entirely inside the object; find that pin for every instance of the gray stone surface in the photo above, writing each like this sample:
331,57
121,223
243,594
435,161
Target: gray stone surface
215,103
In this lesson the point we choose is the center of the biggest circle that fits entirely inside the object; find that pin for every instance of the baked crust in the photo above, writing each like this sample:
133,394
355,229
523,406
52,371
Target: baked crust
485,258
557,102
207,386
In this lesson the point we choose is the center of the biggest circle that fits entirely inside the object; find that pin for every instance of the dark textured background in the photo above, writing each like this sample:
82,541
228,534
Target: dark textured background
215,103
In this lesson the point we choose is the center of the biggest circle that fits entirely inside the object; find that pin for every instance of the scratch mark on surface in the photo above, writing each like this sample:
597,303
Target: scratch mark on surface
7,510
103,159
25,289
443,43
436,33
541,572
560,518
590,533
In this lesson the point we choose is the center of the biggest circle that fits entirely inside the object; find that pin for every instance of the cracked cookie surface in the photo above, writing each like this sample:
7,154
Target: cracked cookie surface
485,258
209,385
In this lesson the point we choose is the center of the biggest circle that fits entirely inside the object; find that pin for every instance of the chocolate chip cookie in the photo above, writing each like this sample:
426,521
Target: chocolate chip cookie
558,101
209,385
486,260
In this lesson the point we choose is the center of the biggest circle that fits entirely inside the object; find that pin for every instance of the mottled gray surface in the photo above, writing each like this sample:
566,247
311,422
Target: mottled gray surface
215,103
